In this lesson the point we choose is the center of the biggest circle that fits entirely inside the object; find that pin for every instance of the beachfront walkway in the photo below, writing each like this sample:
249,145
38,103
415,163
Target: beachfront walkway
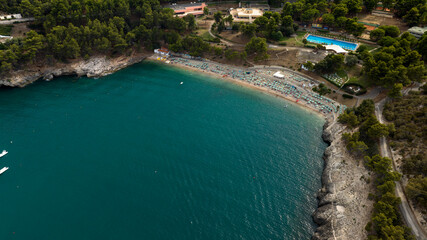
292,86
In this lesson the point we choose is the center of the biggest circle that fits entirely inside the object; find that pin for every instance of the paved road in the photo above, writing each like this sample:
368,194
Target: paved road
222,40
405,208
415,86
12,21
272,46
372,94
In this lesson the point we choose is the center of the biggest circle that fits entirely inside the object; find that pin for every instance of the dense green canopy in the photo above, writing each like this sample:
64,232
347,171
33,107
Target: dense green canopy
396,62
66,29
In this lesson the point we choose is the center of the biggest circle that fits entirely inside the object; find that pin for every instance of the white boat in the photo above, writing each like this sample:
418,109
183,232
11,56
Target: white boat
3,170
3,153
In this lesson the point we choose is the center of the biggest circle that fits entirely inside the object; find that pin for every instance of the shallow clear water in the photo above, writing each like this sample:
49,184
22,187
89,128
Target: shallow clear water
328,41
136,155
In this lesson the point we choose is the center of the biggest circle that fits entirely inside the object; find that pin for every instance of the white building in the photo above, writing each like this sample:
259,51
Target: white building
417,31
11,16
162,51
17,16
245,14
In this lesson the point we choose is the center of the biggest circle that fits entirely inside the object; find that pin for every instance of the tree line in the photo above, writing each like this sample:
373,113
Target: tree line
386,221
67,29
413,12
408,114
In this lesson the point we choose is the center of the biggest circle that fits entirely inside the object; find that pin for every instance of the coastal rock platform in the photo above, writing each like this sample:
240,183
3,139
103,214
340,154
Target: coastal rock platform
96,66
344,208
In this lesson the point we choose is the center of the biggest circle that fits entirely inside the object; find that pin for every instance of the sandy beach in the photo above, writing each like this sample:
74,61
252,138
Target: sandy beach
302,95
344,207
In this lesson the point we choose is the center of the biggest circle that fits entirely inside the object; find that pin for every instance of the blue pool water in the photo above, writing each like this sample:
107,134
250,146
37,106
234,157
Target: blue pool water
328,41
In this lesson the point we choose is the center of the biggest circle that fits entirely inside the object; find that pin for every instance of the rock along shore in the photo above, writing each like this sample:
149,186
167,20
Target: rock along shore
96,66
343,208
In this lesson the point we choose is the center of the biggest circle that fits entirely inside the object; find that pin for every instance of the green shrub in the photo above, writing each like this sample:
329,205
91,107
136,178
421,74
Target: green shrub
368,226
5,30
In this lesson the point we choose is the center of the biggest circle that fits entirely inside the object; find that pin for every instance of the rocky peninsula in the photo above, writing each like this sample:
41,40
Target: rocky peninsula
96,66
344,208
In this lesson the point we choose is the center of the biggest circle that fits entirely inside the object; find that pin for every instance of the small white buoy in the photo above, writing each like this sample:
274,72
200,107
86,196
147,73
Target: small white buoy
11,142
182,83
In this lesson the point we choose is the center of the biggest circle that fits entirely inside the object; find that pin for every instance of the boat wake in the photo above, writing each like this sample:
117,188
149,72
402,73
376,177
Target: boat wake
3,153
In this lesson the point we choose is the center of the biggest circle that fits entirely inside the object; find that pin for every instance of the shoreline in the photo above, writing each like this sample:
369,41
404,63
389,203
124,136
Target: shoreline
96,66
247,85
335,213
343,207
328,116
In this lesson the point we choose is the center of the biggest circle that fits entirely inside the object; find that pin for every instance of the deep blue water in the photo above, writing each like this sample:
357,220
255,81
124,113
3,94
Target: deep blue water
136,155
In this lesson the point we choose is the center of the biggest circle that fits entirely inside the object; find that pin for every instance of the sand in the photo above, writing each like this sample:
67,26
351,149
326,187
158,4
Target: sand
303,104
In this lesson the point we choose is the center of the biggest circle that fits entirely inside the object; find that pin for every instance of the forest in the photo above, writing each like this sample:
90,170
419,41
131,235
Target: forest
336,14
274,26
67,29
409,115
396,62
362,142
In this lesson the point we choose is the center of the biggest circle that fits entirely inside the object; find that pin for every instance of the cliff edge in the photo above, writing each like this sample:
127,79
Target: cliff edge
344,208
96,66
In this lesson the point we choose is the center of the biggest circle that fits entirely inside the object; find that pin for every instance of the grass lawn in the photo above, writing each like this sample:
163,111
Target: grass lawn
354,74
342,73
370,46
294,41
203,33
300,34
363,81
5,30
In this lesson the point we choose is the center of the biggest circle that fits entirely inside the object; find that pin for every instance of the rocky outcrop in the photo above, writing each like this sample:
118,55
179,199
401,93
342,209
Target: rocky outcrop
94,67
344,208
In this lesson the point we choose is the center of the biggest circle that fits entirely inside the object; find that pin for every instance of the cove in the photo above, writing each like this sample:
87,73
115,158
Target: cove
137,155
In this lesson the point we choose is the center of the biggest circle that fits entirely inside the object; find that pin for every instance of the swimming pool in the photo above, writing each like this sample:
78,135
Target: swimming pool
329,41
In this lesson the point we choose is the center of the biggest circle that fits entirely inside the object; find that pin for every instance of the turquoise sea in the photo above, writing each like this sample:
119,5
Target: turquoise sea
137,155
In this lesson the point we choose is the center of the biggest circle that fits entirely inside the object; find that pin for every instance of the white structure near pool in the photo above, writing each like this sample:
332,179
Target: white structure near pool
336,49
343,45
